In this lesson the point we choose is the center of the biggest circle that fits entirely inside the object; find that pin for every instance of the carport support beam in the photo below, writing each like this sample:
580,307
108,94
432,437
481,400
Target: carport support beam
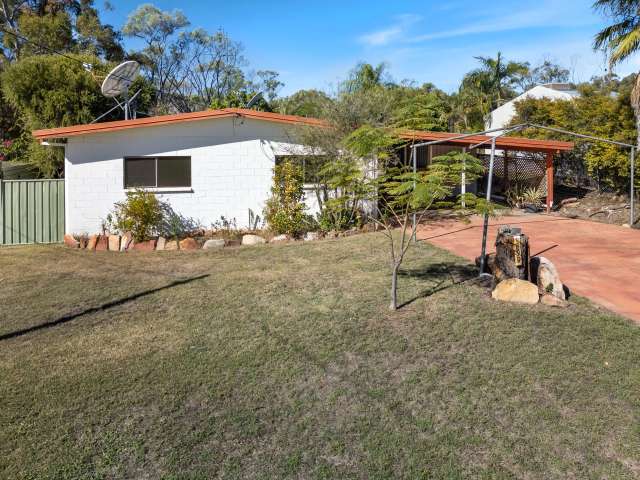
414,156
549,181
632,199
485,226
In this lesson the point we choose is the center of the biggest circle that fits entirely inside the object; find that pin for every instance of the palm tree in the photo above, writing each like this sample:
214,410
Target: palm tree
500,76
621,39
489,86
365,76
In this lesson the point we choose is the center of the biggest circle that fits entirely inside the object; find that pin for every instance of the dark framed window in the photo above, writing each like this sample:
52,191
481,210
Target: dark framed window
311,166
157,172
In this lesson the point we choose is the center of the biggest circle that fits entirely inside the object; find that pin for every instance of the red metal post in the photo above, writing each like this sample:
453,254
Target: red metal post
549,181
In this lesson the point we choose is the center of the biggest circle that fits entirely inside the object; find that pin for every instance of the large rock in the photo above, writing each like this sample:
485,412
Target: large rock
171,245
252,240
162,242
281,238
93,241
553,301
516,291
125,241
103,243
189,244
114,243
213,244
146,246
71,242
311,236
545,274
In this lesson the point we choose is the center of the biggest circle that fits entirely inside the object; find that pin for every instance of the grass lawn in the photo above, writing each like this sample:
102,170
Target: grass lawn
284,362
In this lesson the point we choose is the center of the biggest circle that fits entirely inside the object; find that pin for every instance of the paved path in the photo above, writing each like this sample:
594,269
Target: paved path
595,260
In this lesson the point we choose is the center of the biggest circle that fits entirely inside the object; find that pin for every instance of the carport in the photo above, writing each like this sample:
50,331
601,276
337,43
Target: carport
516,160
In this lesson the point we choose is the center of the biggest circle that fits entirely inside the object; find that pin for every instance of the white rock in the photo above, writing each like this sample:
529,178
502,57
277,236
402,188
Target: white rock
310,236
213,244
517,291
553,301
252,240
281,238
547,277
125,241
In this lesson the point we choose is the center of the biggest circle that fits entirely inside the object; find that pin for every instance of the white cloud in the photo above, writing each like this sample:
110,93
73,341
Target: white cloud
395,32
546,13
543,16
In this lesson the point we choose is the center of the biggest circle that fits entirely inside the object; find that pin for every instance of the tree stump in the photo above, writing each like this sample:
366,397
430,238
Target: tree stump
512,254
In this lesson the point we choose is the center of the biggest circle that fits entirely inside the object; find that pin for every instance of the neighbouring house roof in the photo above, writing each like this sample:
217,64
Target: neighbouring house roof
514,143
77,130
502,143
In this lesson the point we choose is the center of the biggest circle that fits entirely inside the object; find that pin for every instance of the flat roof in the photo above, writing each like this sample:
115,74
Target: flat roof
507,143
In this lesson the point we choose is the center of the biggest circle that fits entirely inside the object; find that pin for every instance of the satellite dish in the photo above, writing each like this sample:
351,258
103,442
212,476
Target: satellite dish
254,100
117,83
120,79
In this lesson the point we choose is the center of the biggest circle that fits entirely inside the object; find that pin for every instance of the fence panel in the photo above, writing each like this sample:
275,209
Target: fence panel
31,211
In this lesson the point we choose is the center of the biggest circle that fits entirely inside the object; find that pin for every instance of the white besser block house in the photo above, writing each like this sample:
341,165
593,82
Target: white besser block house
212,164
206,165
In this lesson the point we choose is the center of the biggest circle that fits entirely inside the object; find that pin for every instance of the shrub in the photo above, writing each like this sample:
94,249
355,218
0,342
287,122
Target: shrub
174,225
227,228
141,214
285,210
518,196
338,214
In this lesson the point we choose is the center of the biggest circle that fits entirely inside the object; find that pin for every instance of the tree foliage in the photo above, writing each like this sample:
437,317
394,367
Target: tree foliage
194,69
285,209
54,91
603,110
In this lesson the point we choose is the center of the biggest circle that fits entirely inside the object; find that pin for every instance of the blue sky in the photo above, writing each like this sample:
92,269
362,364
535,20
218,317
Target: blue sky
314,43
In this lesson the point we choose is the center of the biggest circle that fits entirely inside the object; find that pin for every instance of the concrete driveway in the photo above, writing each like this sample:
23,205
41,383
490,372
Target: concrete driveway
595,260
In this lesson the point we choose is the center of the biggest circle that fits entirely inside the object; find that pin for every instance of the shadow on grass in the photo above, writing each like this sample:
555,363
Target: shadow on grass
104,306
446,275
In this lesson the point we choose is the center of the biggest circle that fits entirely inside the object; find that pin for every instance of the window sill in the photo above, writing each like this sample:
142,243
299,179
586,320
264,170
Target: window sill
162,189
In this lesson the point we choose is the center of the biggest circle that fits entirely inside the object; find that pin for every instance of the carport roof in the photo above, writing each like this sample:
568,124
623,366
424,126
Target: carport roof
502,143
508,143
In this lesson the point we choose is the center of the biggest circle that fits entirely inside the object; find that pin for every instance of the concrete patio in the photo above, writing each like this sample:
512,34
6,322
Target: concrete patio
595,260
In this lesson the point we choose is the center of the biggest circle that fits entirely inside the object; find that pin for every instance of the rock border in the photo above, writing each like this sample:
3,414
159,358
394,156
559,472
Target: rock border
200,241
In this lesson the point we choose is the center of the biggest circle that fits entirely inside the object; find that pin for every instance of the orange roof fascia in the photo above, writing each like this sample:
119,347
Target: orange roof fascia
77,130
514,143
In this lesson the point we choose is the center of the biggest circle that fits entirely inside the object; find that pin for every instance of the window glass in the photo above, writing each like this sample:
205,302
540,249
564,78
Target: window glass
168,172
311,165
174,171
139,172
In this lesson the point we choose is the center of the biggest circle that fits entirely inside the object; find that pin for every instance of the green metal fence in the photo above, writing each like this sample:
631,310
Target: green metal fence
31,211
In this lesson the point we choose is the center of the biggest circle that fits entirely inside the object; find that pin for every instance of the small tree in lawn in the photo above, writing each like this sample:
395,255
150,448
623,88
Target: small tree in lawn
397,193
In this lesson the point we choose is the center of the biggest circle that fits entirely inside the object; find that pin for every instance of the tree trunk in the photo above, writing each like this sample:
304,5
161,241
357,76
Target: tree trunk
635,103
394,286
511,259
